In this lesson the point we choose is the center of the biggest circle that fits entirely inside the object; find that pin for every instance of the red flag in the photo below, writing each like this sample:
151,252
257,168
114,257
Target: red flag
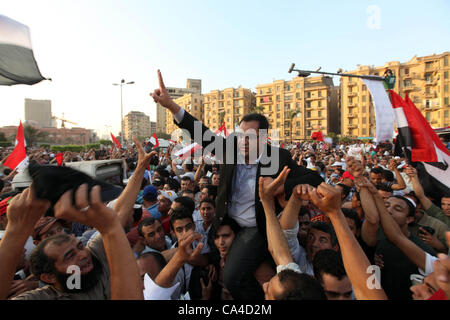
317,136
18,158
59,158
154,141
116,142
223,129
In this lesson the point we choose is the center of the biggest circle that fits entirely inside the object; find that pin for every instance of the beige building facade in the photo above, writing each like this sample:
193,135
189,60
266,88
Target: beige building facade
192,103
297,108
426,79
229,105
136,124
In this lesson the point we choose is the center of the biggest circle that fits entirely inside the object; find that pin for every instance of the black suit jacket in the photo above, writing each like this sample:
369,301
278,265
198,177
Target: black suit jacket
227,170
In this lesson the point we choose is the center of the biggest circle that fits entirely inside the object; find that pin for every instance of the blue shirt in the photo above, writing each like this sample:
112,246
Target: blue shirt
153,210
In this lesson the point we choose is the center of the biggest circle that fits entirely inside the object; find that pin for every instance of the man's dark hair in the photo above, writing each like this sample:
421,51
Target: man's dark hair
384,187
173,184
345,189
299,286
377,170
227,221
162,171
388,175
327,228
189,166
352,214
212,191
144,223
180,214
186,179
207,178
304,212
330,262
262,120
186,202
208,200
40,263
159,258
188,192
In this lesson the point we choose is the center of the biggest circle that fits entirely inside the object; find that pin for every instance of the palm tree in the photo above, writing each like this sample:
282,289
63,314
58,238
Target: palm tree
292,114
258,109
33,134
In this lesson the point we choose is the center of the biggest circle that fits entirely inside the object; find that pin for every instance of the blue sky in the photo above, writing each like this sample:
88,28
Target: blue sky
85,46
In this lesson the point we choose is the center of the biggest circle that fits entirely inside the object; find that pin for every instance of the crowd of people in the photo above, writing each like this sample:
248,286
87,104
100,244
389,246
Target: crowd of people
335,221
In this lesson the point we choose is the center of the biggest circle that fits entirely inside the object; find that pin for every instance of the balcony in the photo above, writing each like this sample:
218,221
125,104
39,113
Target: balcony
352,83
352,115
352,94
352,126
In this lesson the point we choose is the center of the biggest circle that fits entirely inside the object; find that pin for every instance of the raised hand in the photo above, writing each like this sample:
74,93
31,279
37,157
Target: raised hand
442,270
354,167
143,158
25,210
185,251
268,187
161,95
326,198
92,213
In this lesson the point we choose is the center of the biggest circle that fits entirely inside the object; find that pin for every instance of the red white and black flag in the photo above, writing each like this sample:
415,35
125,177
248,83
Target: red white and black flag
17,63
116,142
18,159
422,146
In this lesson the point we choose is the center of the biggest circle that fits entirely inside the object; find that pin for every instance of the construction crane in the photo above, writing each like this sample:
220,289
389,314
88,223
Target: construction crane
64,120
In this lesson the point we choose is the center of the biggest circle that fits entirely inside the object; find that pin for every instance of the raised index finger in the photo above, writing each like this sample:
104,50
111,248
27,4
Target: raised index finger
161,81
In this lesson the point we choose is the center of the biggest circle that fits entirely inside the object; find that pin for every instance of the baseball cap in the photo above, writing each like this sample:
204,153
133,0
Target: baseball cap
190,175
337,163
150,193
347,175
169,194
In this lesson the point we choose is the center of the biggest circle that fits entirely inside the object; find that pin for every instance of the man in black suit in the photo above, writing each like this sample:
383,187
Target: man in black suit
245,156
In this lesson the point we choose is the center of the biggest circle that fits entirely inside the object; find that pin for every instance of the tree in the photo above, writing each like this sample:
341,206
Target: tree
258,109
163,135
33,135
106,142
3,136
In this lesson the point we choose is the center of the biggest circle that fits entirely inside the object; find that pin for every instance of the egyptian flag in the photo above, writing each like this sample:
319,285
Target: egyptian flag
17,63
154,141
59,158
116,142
422,146
318,136
188,151
18,158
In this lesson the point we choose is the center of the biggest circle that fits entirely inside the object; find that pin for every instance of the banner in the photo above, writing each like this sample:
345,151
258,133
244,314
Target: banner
384,115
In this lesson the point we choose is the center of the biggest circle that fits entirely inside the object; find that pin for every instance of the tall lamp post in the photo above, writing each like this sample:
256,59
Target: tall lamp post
121,84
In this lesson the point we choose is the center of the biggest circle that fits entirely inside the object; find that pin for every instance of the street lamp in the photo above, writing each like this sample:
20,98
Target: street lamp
121,84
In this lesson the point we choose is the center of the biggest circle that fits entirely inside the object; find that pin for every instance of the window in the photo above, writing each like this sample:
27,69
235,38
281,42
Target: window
364,109
278,107
446,75
287,106
298,86
308,114
278,88
320,114
297,105
446,62
319,104
364,120
446,88
320,94
364,131
406,71
286,134
427,104
428,77
364,88
269,90
298,123
308,104
446,101
278,116
428,65
270,108
407,83
363,98
308,94
428,116
446,114
297,95
260,91
278,98
288,87
287,124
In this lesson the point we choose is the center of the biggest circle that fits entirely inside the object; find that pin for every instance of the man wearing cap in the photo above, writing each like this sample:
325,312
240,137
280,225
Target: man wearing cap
187,182
246,157
47,227
150,198
165,200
